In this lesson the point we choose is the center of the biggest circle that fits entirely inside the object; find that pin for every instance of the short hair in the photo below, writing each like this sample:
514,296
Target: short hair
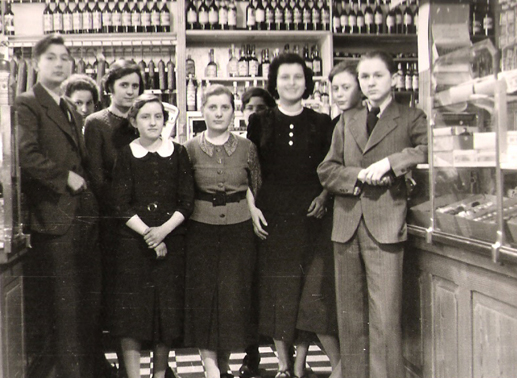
289,58
350,67
142,100
118,70
43,44
80,82
258,92
216,90
382,55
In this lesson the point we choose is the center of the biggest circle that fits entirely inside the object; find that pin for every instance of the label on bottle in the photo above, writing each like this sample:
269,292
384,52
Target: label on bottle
97,21
253,67
48,23
232,17
126,19
279,16
211,70
260,15
400,84
117,19
165,18
233,67
352,20
488,23
213,16
414,82
476,26
250,17
398,19
107,19
408,20
316,67
87,21
288,16
243,68
390,21
145,20
265,70
135,19
191,16
408,82
57,19
223,16
316,16
368,19
190,68
306,16
297,15
325,17
343,20
67,23
270,16
378,19
203,17
155,18
360,22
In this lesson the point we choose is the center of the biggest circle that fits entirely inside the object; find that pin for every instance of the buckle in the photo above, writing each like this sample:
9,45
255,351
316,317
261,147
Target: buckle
219,199
153,206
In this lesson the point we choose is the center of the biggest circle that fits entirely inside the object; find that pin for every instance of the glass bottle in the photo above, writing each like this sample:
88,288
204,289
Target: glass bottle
250,17
415,78
151,78
162,78
213,16
488,20
202,15
369,21
316,15
57,19
345,28
156,26
211,68
107,20
243,63
68,26
408,78
378,18
316,61
87,18
264,66
145,19
307,16
223,16
232,15
391,25
398,20
136,18
297,15
325,16
360,20
191,94
48,23
269,16
336,19
171,75
288,16
191,15
260,16
190,66
116,18
407,20
307,56
233,63
97,18
352,21
279,17
253,63
165,18
400,82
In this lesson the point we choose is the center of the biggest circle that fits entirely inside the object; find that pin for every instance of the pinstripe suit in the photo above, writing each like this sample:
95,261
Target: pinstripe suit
368,234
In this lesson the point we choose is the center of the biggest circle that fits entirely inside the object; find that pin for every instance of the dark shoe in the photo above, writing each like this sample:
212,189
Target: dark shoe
250,363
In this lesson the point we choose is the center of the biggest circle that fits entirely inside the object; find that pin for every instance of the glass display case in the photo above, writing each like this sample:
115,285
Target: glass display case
472,151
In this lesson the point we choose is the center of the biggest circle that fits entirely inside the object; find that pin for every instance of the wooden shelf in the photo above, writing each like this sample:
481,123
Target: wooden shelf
250,36
388,41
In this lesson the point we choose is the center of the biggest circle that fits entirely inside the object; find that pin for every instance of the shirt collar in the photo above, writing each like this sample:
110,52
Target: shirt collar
382,107
165,150
229,146
52,94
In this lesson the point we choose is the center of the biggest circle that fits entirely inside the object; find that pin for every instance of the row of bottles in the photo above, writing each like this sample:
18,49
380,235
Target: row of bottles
481,18
372,17
248,65
79,17
259,15
407,77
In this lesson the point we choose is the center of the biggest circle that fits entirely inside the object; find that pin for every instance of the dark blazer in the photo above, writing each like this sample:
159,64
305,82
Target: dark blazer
400,135
50,147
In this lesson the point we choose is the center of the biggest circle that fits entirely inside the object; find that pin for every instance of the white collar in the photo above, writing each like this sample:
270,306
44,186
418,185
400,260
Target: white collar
382,106
165,150
290,113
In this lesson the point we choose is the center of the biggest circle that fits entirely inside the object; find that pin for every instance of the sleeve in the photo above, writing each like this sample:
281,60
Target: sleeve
33,160
254,174
186,183
94,144
334,175
402,162
122,186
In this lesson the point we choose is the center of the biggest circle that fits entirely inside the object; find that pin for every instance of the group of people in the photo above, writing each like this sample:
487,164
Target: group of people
215,242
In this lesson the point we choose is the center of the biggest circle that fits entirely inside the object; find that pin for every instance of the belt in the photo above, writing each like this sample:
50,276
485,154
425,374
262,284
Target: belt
220,198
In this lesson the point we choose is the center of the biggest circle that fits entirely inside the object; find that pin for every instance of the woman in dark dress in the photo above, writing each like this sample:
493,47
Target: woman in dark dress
154,191
291,141
221,245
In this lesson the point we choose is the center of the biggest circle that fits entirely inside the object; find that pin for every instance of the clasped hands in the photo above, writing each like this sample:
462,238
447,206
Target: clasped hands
377,174
154,236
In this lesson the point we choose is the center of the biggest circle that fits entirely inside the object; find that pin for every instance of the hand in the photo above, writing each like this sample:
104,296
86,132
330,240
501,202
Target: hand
161,250
373,175
76,183
317,208
258,222
153,236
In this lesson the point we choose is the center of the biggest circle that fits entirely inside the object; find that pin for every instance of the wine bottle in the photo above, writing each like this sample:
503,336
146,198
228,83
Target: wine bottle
213,16
400,84
233,63
68,26
107,18
407,20
211,68
156,26
369,21
408,78
223,16
288,16
316,61
260,15
415,78
488,20
336,19
126,18
171,75
352,21
316,15
87,18
279,16
165,17
297,15
306,16
97,18
325,16
190,66
391,25
191,94
253,62
243,63
57,18
232,15
360,20
270,16
378,18
151,78
202,15
264,66
307,56
398,20
116,17
48,22
142,65
191,15
136,17
345,28
145,19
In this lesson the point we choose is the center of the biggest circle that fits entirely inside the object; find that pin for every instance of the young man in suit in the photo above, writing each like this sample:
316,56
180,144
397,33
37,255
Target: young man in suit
372,150
63,210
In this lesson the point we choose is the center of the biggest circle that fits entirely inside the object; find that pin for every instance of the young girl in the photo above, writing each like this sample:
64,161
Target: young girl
153,190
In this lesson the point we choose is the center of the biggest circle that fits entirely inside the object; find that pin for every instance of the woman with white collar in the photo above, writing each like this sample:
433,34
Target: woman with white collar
221,249
154,193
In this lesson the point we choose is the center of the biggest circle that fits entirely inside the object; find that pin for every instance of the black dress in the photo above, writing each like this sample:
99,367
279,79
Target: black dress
290,149
149,292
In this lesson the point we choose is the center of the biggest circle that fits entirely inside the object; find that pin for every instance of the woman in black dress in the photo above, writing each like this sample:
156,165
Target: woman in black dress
154,190
291,140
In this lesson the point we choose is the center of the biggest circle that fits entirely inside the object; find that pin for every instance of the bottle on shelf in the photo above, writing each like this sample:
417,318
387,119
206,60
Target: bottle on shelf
269,21
408,26
316,61
325,16
142,65
408,78
200,92
232,15
223,16
236,97
288,16
162,76
202,16
253,63
369,21
345,28
48,23
87,18
279,16
250,17
136,18
57,19
307,56
107,18
415,16
398,20
391,24
116,17
190,66
352,21
97,18
260,16
415,78
243,63
213,16
306,16
211,68
165,18
145,19
316,15
151,77
191,15
264,65
156,23
360,19
378,18
68,26
488,20
233,63
297,15
191,94
336,18
400,84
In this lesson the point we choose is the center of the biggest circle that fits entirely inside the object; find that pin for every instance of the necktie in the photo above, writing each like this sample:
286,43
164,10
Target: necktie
371,119
64,107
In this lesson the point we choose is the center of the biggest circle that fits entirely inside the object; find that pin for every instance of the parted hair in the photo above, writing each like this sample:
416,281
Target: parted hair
142,100
43,44
118,70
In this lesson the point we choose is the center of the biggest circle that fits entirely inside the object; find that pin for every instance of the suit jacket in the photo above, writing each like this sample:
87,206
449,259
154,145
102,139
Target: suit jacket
50,147
401,136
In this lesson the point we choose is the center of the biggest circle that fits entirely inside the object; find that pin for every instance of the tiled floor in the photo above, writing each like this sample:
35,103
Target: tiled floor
187,362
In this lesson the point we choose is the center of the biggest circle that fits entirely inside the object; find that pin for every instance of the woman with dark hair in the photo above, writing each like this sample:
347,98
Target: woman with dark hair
221,245
83,92
254,100
154,190
291,141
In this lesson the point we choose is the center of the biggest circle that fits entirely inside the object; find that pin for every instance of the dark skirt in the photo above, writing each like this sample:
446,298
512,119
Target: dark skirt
220,267
317,312
148,302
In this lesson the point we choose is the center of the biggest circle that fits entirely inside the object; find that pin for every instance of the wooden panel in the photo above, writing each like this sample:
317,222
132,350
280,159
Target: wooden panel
495,338
445,328
14,364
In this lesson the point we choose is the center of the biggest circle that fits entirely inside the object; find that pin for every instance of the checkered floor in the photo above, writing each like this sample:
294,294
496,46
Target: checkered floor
187,362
